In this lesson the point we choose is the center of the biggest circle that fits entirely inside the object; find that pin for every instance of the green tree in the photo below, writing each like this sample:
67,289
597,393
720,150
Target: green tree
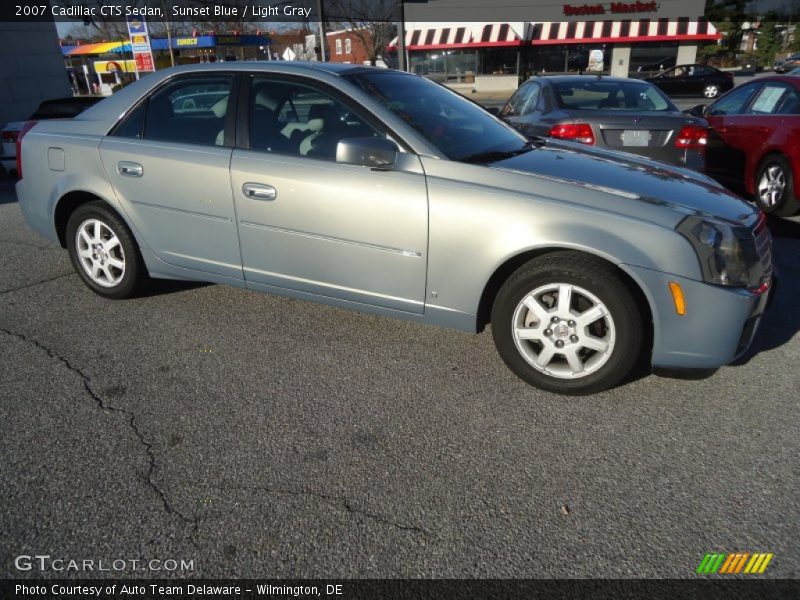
769,43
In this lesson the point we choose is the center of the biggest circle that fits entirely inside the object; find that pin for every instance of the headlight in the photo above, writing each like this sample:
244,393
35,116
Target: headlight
723,250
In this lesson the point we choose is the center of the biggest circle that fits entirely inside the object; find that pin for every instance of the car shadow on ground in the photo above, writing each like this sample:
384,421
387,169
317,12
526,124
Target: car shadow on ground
781,321
162,287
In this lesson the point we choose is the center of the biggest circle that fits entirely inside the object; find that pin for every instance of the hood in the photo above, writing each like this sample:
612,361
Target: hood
637,179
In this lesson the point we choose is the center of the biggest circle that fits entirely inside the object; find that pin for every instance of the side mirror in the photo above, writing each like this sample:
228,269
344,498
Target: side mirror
697,111
493,110
367,152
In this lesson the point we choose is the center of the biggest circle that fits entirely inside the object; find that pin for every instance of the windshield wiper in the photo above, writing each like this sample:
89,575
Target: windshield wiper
495,155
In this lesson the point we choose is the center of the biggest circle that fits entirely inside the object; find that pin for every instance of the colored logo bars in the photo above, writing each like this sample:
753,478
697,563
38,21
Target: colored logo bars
730,564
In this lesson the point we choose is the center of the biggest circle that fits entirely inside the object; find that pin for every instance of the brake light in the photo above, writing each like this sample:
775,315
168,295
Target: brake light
582,132
692,136
25,128
9,137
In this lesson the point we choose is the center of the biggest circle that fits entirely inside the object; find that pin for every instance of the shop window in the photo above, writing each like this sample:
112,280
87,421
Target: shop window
338,46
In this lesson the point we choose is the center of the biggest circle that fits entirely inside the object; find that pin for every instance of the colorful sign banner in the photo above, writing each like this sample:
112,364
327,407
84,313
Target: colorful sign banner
140,45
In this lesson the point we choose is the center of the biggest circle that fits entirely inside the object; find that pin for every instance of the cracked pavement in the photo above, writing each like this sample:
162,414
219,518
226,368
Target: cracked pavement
266,437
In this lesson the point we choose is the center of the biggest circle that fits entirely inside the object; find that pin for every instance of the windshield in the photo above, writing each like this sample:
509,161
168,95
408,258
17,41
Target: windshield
456,126
599,94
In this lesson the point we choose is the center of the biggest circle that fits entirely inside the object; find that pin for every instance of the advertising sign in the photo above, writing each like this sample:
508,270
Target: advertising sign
140,45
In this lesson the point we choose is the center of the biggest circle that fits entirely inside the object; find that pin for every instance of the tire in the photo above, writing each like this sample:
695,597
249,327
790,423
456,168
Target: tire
774,187
524,331
711,91
104,253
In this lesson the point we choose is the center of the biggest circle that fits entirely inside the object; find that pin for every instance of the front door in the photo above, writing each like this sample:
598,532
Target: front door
310,224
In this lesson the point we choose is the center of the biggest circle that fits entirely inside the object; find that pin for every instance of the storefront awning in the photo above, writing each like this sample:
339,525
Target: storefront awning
599,32
476,35
96,49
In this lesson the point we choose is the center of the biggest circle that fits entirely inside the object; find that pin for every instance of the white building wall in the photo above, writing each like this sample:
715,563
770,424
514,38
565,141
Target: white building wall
31,68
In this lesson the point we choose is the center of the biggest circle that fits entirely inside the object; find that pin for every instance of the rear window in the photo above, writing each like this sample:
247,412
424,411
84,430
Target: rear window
60,110
611,95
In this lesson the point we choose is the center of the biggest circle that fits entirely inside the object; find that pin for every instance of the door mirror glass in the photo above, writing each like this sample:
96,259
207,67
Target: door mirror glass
698,111
366,152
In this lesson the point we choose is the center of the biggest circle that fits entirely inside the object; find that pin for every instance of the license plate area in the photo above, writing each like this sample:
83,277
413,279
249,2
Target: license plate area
635,137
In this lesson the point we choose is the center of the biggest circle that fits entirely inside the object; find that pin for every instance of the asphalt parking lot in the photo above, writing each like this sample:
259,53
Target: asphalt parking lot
265,437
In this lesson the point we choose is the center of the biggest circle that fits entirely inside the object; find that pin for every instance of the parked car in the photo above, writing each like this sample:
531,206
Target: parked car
694,80
787,64
60,108
794,71
392,194
610,112
754,142
655,67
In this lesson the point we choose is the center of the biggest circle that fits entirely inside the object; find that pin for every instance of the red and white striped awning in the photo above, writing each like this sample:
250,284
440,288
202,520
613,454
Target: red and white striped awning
477,35
644,30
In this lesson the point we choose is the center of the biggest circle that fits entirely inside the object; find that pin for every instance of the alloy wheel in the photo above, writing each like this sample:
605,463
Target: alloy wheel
771,186
563,331
100,253
711,91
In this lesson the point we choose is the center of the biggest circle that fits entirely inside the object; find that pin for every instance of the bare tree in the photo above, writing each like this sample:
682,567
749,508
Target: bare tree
372,22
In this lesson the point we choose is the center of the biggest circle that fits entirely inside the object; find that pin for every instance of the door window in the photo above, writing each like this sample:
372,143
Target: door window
190,110
774,99
735,102
293,118
524,101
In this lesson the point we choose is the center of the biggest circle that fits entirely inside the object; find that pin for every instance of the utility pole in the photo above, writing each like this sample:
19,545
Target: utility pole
323,41
401,37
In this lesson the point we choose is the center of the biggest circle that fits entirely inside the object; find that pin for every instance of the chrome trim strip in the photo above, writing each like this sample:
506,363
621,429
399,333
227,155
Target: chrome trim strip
326,238
183,212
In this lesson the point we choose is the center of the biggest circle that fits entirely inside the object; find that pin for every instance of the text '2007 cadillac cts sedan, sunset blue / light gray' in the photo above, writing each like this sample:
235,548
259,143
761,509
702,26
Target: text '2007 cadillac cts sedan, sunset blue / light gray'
383,192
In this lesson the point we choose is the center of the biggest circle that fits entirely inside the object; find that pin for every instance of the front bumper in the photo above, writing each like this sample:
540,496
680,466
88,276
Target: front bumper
718,327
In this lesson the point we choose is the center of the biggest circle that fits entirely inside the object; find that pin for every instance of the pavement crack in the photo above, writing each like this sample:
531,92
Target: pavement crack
35,283
131,417
341,502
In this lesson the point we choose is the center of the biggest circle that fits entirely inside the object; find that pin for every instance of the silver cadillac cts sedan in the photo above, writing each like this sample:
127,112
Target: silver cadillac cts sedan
383,192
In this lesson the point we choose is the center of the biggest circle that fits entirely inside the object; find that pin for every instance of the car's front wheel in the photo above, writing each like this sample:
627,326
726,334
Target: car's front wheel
104,252
775,187
567,323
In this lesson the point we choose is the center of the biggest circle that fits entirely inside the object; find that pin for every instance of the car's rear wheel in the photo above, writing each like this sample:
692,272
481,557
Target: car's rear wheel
567,323
711,91
775,187
103,251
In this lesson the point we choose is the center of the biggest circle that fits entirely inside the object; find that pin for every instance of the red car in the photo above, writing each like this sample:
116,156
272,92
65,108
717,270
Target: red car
754,142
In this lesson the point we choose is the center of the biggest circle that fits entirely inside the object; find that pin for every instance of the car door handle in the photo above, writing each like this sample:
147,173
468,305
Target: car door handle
259,191
130,169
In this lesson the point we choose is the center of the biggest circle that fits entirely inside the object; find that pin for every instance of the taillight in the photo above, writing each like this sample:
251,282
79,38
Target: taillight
25,128
582,132
692,136
9,137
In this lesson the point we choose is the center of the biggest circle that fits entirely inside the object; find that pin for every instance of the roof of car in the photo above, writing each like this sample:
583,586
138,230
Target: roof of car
587,77
332,68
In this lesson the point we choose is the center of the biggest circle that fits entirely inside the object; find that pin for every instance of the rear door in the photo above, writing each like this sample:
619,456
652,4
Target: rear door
726,154
168,163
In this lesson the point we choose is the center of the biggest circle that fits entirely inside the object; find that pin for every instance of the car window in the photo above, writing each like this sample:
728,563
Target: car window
699,71
735,102
773,99
190,110
459,128
603,94
292,118
523,101
132,125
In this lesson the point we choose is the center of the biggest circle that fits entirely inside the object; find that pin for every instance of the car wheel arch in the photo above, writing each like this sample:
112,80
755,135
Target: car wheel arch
507,268
70,202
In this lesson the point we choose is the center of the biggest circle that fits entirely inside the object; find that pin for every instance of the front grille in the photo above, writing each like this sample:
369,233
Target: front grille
756,244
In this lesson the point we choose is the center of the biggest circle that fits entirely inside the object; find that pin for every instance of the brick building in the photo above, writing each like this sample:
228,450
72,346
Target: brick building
344,46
